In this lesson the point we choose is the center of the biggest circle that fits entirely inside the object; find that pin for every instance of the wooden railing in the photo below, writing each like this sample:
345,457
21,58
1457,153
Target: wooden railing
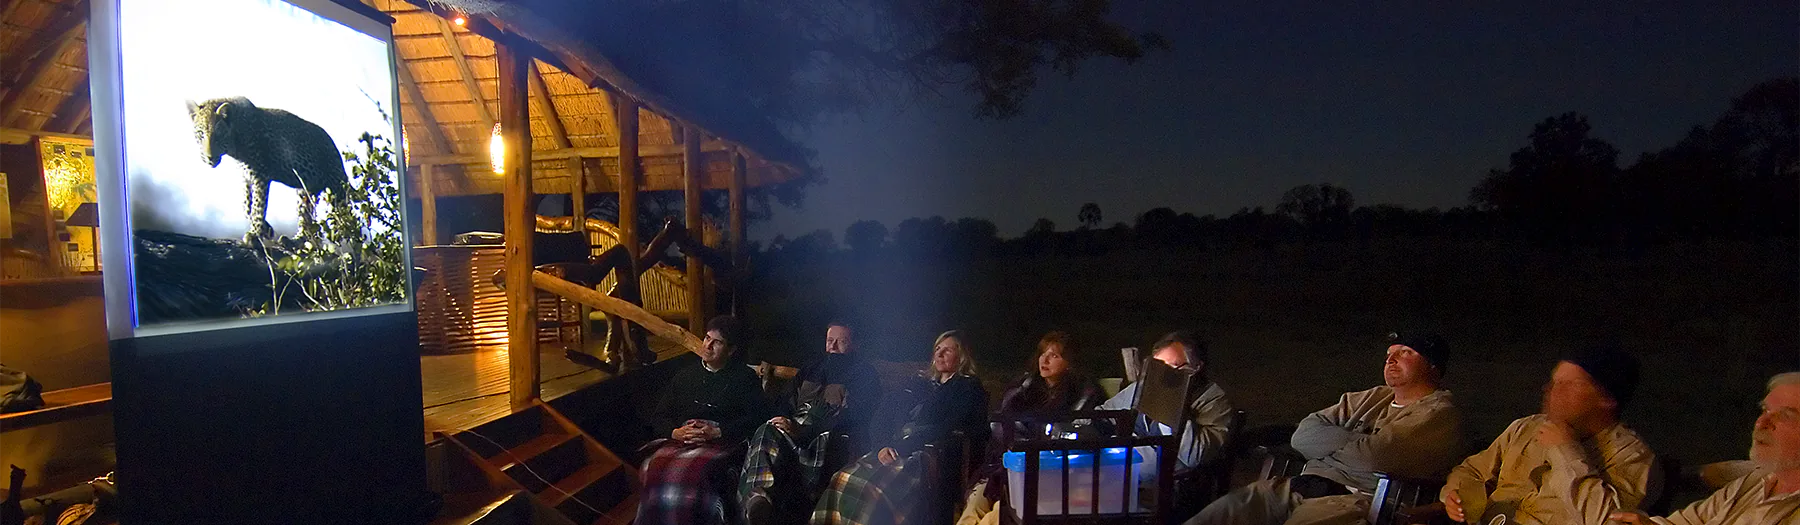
664,287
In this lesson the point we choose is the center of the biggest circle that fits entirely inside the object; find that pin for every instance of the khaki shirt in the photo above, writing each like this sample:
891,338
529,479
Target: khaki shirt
1572,484
1747,501
1365,433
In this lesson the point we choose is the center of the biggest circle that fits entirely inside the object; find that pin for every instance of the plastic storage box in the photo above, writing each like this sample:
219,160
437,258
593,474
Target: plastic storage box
1113,500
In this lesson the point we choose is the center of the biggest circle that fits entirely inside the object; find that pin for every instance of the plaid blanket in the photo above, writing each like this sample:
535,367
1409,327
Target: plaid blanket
781,470
686,484
869,493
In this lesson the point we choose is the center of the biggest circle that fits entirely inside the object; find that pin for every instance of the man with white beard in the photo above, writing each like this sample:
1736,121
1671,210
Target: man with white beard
1770,495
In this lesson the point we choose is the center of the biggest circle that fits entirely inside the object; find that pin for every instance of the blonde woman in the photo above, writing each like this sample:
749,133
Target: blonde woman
885,486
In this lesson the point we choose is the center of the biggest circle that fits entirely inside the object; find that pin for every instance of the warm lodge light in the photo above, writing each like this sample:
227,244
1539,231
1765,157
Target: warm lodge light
497,151
459,21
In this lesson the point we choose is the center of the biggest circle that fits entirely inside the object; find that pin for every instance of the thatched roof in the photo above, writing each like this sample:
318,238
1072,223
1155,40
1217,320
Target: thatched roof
43,67
449,100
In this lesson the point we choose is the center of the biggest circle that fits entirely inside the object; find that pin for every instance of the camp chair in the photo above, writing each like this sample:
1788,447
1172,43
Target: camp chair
1402,501
958,458
1163,397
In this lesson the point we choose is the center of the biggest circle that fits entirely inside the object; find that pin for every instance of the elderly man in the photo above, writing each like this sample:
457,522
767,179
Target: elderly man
1573,464
786,459
1768,495
1406,427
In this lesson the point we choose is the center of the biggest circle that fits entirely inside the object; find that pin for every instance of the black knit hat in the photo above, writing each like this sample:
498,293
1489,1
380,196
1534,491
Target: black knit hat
1614,370
1429,345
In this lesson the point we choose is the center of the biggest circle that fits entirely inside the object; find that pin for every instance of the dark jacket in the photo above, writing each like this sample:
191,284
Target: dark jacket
1031,393
732,397
839,392
957,404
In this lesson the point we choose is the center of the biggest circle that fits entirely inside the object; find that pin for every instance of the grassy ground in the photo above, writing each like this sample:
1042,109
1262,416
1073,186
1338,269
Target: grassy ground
1293,327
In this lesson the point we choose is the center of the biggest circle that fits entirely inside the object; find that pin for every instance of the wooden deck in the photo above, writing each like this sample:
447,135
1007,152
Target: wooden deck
463,391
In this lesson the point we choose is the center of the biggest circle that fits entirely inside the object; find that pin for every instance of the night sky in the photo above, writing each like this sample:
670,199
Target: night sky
1401,102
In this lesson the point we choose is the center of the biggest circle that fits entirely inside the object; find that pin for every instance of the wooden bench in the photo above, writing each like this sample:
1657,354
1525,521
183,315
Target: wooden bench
62,405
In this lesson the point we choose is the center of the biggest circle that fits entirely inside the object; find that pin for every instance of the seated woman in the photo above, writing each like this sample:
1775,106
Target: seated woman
888,486
706,411
1055,385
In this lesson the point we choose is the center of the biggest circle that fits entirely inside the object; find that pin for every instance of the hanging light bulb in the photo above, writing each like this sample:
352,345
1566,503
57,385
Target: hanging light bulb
497,151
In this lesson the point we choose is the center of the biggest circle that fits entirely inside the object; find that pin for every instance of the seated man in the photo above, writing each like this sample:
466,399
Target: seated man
1408,427
705,413
786,460
1573,464
1768,495
1209,414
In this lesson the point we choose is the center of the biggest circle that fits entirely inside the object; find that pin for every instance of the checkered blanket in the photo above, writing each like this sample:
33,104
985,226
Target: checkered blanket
869,493
687,484
778,468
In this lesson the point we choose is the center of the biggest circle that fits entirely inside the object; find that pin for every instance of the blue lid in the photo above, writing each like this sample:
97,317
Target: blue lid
1053,459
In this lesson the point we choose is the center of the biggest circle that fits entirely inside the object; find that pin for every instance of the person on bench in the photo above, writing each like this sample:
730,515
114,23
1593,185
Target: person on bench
705,413
1573,464
1770,494
1054,385
890,485
1407,427
783,467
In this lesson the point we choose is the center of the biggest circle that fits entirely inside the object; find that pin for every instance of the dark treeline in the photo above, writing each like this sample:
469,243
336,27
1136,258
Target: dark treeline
1736,178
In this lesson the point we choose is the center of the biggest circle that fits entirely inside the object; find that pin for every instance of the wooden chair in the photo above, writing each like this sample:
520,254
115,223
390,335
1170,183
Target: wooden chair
1163,397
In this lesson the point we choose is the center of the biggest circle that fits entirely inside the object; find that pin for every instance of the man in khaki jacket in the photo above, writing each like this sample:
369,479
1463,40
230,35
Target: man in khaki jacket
1573,464
1406,427
1770,494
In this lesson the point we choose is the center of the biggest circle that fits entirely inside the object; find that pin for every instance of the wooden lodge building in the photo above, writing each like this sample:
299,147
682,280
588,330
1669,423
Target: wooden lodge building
503,102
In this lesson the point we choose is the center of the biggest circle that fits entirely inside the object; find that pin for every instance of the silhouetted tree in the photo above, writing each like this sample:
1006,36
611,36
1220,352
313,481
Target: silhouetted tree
1736,177
1560,187
865,237
1089,215
1322,209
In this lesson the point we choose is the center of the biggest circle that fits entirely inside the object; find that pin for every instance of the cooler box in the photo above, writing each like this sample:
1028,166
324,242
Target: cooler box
1113,500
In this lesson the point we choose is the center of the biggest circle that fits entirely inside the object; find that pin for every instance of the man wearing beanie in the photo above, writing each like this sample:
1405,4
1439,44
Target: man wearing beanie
1407,427
1573,464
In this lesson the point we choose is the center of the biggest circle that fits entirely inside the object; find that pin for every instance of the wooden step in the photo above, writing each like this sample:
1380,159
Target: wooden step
574,483
530,449
621,514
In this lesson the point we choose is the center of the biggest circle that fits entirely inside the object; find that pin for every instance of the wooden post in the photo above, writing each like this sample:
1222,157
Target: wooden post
625,114
738,257
521,295
693,169
428,206
578,218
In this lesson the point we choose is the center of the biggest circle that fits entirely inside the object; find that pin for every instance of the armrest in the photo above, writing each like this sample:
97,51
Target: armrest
1396,499
1432,513
1278,460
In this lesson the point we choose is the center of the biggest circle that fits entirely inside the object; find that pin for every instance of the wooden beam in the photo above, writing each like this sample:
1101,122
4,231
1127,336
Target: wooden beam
578,215
22,136
73,17
520,225
615,306
541,92
428,206
692,171
33,73
433,132
625,117
597,152
610,126
468,73
73,110
11,5
739,258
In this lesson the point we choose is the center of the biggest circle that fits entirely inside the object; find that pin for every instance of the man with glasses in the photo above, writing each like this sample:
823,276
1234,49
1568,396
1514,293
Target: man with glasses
1768,495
